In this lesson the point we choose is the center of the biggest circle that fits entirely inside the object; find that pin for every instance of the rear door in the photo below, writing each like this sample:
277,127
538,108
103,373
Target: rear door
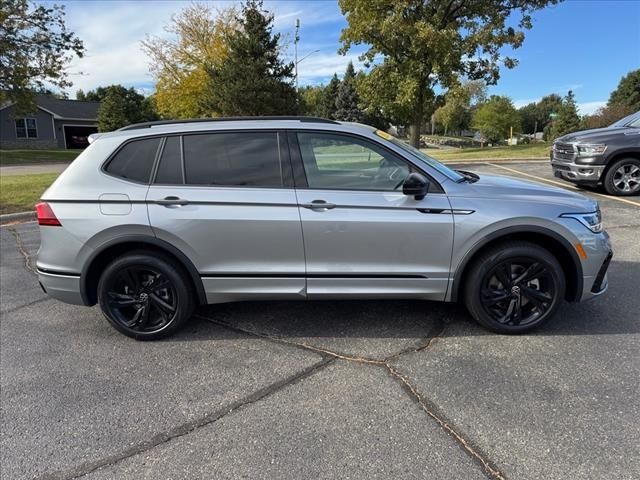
226,200
362,236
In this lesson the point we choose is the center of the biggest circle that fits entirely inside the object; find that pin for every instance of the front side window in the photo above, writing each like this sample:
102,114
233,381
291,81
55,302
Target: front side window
233,159
335,161
134,160
26,128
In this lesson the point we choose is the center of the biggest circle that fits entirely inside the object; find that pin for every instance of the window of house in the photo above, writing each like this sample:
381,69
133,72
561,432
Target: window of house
26,128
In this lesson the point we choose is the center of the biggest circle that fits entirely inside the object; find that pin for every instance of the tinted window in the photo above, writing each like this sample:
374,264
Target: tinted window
249,158
170,168
343,162
135,160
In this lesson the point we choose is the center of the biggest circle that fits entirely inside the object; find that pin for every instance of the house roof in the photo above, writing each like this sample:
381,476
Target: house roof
68,109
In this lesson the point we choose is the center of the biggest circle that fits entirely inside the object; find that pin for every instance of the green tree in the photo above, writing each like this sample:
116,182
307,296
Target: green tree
252,80
119,106
327,101
347,100
628,91
529,117
495,118
309,98
424,43
567,120
35,48
455,114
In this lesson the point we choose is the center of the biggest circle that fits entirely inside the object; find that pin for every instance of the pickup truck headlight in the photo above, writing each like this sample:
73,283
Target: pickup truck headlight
592,149
593,220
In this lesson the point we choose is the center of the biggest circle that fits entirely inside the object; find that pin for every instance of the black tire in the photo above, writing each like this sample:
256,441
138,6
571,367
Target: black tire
622,174
145,296
535,286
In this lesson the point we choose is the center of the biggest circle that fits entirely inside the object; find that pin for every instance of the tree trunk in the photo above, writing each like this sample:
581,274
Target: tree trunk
418,115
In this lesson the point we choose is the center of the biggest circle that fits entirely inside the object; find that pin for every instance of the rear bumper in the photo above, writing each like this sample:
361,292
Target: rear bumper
576,173
63,287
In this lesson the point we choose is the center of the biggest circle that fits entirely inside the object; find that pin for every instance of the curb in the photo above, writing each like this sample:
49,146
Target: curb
17,217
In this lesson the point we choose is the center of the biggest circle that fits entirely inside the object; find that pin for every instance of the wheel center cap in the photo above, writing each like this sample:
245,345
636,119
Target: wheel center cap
143,297
515,290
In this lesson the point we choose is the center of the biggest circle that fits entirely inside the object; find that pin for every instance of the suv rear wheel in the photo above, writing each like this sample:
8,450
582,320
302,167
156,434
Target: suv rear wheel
623,177
144,296
514,287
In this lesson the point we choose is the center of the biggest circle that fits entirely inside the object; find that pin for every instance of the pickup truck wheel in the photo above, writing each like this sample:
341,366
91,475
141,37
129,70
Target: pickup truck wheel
623,177
145,296
514,287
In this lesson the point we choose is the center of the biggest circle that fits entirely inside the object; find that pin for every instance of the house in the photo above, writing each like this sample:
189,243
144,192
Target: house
56,123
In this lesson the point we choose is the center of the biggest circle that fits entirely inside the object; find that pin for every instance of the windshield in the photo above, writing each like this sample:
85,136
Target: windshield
452,174
632,120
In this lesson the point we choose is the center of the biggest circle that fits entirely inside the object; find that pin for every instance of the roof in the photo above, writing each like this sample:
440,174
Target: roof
68,109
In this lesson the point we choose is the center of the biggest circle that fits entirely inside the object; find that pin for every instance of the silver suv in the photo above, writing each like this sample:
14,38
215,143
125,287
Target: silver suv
154,219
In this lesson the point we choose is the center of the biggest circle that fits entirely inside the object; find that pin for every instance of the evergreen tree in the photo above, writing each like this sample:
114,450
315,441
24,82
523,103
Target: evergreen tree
327,102
252,80
347,108
567,120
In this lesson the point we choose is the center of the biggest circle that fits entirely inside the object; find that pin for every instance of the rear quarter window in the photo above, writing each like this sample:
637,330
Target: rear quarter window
134,160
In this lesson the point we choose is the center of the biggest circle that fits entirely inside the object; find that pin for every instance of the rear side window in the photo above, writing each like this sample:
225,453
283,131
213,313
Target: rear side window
170,167
233,159
135,160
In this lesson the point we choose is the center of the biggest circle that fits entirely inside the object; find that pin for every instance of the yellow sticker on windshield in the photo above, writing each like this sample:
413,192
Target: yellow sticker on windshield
384,135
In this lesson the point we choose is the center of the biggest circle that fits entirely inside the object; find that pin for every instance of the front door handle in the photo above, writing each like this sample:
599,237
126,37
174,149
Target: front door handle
319,205
172,201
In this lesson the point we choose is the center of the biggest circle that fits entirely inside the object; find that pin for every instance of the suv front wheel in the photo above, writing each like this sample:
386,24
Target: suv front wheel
514,287
145,296
623,177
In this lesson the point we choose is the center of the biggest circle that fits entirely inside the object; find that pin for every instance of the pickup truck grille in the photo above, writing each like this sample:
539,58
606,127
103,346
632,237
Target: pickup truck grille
563,152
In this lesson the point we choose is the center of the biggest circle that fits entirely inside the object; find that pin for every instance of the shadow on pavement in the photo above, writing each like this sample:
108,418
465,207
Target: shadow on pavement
614,313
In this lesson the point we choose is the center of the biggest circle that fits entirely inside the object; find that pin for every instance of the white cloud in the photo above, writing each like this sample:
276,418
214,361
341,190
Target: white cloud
589,108
112,31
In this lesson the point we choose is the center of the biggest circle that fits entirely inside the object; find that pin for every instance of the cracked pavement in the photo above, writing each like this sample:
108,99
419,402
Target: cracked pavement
358,389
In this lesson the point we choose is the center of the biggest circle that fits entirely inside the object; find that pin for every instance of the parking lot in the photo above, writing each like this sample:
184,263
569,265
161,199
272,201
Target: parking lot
366,389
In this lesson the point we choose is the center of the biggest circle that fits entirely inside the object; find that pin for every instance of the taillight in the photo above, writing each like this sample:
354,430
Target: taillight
46,215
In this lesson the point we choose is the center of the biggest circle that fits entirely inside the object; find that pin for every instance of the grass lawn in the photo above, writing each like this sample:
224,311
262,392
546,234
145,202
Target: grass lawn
25,157
534,150
19,193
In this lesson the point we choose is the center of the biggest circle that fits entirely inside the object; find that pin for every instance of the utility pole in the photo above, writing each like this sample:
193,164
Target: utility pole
296,39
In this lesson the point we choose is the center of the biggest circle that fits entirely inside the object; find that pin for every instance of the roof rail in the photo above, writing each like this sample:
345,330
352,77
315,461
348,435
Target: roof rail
136,126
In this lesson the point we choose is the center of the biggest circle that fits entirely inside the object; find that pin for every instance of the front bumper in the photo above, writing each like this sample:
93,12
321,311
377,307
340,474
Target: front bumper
577,173
63,287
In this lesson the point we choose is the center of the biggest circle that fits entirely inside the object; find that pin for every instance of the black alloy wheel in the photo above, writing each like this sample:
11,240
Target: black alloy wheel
514,287
517,291
144,296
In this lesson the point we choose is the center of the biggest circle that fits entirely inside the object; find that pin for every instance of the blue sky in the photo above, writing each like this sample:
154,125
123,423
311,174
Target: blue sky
583,45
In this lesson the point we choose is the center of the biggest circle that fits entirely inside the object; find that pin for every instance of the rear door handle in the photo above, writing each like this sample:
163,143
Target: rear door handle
319,205
171,201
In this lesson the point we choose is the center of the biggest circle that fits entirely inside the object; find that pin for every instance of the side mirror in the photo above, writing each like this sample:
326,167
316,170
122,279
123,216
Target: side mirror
415,185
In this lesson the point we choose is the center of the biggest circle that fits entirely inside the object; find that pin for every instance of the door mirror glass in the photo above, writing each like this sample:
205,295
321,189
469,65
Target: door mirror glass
415,185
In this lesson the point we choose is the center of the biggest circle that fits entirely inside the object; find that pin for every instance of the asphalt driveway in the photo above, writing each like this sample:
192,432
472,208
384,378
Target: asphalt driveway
368,389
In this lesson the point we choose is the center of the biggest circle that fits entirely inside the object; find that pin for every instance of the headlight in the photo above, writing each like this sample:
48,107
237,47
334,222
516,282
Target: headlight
593,220
591,149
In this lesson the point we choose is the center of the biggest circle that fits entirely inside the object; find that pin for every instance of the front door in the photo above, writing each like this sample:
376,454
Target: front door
362,236
226,200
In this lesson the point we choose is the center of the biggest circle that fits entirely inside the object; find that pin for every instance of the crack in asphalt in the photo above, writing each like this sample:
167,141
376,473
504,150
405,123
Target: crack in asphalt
188,427
488,467
22,249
